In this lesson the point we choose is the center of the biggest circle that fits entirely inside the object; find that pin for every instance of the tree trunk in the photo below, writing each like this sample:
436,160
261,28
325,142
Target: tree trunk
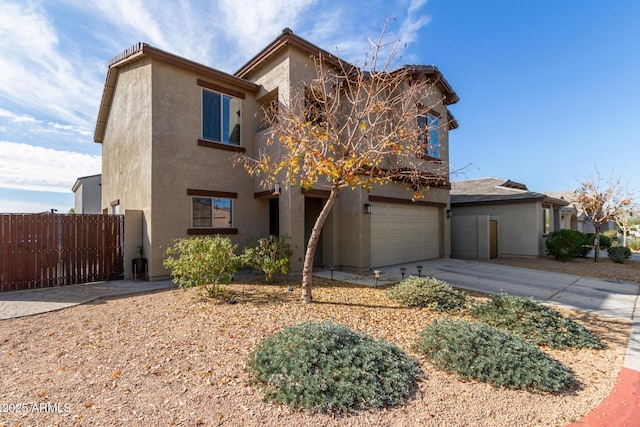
307,269
596,244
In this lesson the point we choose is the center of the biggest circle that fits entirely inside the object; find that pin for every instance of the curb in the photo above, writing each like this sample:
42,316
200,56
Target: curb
621,408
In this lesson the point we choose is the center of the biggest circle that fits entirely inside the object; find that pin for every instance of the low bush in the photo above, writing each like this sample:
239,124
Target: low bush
430,293
269,255
634,244
605,241
613,237
202,261
535,323
325,367
564,245
619,254
477,350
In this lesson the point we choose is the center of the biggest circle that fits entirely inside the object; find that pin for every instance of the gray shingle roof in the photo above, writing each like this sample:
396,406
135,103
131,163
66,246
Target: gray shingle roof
493,190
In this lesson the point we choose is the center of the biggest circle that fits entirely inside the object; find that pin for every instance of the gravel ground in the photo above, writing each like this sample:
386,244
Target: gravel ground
175,358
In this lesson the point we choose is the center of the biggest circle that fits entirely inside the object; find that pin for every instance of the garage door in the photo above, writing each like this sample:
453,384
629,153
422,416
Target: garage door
404,233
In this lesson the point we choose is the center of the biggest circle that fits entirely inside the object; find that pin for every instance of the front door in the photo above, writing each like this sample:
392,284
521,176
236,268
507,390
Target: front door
493,239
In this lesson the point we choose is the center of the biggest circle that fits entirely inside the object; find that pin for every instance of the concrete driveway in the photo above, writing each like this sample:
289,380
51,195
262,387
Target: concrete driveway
606,298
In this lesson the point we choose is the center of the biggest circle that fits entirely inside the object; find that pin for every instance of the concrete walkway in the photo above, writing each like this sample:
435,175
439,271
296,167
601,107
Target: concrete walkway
35,301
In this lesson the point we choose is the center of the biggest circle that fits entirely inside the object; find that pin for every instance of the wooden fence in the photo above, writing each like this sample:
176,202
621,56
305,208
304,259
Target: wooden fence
44,250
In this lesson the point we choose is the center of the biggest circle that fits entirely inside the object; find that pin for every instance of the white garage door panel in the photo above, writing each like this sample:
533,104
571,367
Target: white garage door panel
404,233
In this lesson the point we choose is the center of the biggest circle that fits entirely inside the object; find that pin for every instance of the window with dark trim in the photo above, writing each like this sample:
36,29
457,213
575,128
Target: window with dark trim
221,117
546,219
212,212
428,140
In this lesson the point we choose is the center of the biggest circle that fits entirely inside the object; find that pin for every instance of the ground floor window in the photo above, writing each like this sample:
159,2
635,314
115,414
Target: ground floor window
546,219
212,212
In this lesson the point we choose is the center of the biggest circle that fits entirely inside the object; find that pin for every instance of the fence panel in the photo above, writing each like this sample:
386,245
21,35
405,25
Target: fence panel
44,250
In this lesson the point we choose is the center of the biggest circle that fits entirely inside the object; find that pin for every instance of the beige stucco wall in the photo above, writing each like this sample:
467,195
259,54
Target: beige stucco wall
346,239
151,157
179,163
126,149
88,195
519,229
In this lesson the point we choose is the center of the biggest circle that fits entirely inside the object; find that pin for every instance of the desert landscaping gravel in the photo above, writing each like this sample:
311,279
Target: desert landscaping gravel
175,358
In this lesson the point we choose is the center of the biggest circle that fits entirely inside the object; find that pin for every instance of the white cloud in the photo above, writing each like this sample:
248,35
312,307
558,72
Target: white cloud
413,22
30,124
27,167
38,73
254,24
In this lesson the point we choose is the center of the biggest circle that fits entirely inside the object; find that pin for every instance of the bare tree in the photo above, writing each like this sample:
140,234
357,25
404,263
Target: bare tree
624,221
602,201
352,127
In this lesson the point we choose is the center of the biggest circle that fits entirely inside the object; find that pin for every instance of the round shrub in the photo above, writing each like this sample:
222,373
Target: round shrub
564,245
430,293
619,254
477,350
326,367
202,261
535,323
605,241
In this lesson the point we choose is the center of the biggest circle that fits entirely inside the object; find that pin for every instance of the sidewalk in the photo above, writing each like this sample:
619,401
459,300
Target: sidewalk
35,301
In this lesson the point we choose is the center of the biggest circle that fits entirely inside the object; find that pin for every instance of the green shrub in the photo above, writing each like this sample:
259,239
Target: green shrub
325,367
564,245
619,254
202,261
477,350
535,323
605,241
269,255
613,237
634,244
430,293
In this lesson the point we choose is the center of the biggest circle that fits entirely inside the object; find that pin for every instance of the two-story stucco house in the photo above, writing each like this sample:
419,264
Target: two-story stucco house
170,128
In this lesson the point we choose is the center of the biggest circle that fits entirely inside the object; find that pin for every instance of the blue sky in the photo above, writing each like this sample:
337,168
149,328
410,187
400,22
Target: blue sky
549,90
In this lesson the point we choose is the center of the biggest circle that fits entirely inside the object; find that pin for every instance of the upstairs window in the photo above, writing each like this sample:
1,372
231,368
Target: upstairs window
428,139
221,117
314,107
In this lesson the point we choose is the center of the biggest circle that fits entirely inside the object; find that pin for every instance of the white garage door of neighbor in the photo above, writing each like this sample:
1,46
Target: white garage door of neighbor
404,233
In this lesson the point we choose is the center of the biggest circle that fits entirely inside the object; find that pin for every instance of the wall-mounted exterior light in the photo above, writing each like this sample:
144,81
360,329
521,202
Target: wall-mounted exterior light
276,189
368,209
449,213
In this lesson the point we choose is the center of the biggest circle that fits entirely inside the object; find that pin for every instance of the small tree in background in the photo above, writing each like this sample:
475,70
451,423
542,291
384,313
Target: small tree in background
352,127
624,221
602,201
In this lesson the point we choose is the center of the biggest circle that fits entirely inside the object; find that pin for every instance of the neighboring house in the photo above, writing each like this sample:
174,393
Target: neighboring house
494,217
88,195
170,128
573,217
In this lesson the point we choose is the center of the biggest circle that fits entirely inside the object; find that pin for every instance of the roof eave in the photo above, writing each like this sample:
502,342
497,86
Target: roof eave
287,38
